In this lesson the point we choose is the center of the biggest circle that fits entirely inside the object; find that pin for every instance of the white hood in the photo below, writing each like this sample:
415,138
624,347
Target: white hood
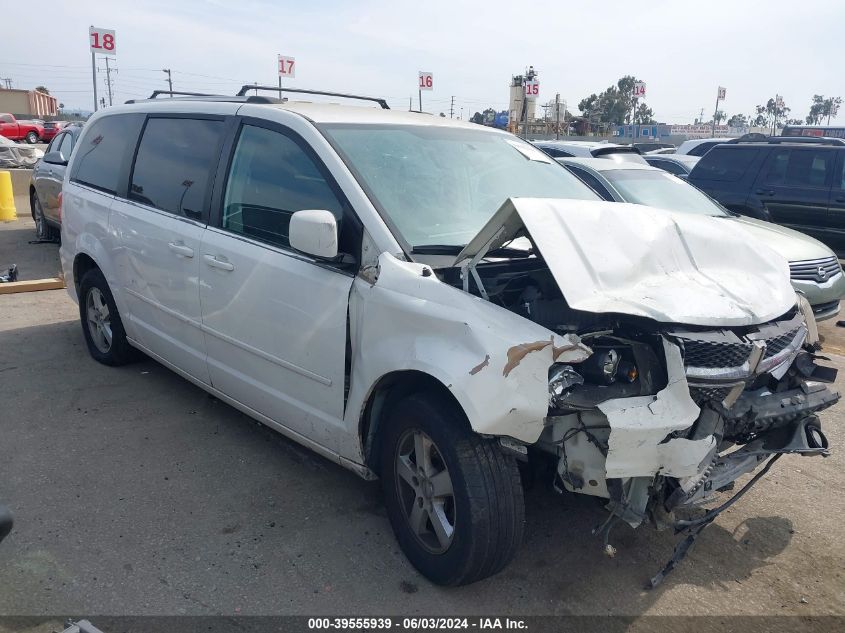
611,257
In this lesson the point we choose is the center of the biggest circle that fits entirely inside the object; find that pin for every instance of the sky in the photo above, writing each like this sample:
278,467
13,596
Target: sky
682,50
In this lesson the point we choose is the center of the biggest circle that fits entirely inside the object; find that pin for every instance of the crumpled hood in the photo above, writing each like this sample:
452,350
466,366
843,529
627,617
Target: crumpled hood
611,257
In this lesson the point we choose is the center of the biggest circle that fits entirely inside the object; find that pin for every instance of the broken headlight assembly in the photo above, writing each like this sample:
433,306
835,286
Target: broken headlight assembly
610,372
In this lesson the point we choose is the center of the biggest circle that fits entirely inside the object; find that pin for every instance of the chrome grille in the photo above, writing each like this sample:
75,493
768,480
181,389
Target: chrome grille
713,354
818,270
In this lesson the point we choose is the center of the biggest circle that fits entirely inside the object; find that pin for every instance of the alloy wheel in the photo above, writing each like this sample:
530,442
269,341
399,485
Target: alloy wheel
99,320
425,491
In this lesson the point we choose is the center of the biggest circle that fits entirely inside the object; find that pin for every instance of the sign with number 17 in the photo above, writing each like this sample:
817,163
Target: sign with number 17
287,67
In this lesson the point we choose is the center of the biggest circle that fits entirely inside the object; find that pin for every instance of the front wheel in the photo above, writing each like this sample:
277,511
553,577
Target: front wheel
454,499
31,138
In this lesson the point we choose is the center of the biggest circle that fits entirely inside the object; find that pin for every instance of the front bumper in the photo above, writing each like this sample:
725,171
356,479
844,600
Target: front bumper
824,297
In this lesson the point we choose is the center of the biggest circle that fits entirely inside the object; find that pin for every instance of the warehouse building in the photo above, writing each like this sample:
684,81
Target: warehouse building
28,104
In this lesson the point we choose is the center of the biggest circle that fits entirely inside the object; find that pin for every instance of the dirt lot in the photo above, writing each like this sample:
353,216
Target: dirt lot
136,493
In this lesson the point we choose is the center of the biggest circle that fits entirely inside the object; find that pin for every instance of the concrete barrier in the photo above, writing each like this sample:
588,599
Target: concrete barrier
20,181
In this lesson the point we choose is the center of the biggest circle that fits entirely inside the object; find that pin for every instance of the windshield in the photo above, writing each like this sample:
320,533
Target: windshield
440,185
659,189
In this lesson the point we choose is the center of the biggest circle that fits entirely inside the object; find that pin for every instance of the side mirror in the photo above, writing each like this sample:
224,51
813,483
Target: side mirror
54,158
314,232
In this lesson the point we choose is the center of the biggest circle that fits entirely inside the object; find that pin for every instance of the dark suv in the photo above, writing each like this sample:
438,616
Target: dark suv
793,182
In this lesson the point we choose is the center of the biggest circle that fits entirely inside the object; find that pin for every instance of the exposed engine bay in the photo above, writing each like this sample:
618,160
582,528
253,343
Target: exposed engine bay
662,416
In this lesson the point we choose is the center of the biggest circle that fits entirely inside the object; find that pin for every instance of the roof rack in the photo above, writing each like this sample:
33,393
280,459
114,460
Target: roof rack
201,96
247,87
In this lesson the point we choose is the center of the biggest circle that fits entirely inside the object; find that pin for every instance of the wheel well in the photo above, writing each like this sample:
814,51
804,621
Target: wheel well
390,389
81,265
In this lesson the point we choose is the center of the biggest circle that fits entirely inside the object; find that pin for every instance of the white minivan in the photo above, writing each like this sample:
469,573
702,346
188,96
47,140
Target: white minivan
440,305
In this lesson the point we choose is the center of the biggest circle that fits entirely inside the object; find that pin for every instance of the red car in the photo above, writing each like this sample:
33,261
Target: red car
16,130
51,128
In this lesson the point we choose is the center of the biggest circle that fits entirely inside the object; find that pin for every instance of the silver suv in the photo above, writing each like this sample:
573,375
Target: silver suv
439,305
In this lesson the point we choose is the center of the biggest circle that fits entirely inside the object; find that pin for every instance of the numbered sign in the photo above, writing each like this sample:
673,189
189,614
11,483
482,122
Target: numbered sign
426,81
102,41
532,89
639,90
287,67
722,92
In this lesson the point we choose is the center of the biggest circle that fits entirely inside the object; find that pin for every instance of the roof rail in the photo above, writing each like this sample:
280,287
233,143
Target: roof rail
198,96
813,140
247,87
156,93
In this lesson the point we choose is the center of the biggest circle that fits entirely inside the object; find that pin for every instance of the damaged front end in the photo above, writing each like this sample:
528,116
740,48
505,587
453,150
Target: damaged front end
674,402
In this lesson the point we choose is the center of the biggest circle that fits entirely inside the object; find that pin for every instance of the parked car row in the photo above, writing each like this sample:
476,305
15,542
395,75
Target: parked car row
799,183
442,306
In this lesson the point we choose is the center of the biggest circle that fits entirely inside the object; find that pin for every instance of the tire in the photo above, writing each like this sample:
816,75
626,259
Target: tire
485,510
104,333
31,138
44,231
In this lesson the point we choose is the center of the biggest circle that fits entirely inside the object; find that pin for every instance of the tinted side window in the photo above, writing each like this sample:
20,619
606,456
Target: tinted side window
668,165
54,144
592,182
105,151
725,163
809,167
702,149
272,177
175,161
556,153
67,146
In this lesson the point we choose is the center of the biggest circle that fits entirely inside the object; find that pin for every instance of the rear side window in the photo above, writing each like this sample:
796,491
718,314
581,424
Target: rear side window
271,178
67,146
556,153
701,149
591,181
105,152
800,167
668,165
725,163
175,162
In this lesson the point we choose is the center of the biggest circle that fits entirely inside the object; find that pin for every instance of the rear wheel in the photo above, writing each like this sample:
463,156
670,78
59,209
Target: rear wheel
31,138
454,499
101,324
44,231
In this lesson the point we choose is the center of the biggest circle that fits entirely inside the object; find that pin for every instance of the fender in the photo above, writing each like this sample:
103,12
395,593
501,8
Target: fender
493,361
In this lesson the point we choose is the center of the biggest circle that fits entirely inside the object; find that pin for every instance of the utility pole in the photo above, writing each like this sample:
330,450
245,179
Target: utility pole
109,81
169,80
94,77
557,116
7,81
410,103
452,108
420,91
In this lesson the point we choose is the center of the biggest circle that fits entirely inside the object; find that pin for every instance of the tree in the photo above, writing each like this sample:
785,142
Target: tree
719,116
822,108
42,89
771,113
738,120
613,105
477,118
832,107
644,115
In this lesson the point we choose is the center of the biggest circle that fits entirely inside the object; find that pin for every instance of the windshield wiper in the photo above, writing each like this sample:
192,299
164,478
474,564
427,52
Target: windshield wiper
450,249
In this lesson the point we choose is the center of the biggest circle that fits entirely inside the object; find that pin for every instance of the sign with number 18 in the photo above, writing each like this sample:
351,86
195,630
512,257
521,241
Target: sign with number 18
101,41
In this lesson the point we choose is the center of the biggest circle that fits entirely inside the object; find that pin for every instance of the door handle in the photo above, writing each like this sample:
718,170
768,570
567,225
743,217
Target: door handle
214,262
180,249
